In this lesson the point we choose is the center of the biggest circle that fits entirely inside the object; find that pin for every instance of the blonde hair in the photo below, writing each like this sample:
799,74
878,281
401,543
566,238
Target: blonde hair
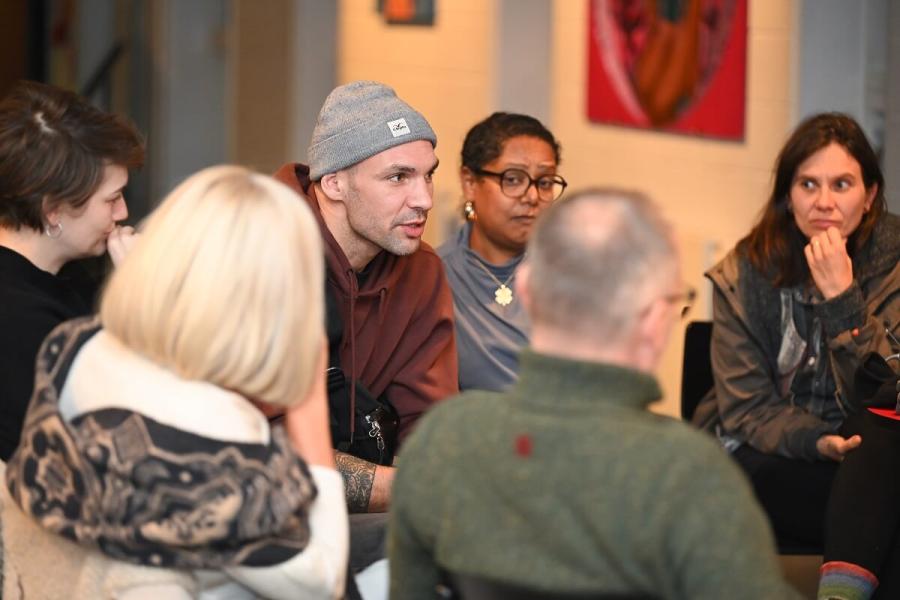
226,286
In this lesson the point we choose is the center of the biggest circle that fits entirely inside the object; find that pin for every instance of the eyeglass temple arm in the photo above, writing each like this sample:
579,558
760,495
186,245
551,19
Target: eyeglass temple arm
894,341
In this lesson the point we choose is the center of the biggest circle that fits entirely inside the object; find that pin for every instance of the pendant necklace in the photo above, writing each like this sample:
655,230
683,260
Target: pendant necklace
502,295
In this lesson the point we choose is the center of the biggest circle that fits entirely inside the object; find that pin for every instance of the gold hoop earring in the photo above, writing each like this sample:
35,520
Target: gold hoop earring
469,211
53,231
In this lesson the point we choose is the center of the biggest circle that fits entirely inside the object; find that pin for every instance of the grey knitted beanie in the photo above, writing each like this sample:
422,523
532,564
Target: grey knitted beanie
359,120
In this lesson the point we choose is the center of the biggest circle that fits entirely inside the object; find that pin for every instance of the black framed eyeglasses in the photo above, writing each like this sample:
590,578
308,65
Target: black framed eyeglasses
515,183
685,299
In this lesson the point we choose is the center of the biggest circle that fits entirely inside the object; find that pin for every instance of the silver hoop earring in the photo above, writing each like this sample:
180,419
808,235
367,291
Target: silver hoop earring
469,211
53,231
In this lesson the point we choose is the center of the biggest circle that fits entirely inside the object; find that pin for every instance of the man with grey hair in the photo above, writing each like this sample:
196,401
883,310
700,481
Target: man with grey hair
566,482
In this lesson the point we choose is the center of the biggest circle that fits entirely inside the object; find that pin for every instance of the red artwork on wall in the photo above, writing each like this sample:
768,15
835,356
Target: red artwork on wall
407,12
671,65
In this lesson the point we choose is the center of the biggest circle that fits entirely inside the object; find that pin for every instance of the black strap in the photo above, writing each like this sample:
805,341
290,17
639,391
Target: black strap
375,445
334,328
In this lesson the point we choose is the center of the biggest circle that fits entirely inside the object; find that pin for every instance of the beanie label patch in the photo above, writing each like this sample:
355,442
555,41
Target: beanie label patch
399,128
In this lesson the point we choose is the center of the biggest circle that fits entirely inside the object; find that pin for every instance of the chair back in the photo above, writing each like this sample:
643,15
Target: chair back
696,381
696,369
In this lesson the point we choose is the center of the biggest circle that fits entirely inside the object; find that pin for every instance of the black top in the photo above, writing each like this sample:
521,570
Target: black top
32,303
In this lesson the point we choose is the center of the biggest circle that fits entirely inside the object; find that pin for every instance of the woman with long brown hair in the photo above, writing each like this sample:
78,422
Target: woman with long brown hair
797,305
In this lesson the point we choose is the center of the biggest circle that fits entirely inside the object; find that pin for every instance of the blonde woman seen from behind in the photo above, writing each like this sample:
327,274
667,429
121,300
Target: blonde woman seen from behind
167,459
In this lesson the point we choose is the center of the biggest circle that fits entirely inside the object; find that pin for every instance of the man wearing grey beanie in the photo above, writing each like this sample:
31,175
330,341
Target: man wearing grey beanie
369,183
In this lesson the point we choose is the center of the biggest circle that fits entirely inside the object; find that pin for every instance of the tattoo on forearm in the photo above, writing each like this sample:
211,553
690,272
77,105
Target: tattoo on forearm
359,477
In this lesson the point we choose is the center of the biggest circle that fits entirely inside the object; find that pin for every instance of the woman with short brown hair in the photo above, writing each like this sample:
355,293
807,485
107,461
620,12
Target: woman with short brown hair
63,167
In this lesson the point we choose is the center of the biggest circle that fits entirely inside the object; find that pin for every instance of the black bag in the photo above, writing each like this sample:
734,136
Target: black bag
375,438
876,384
376,420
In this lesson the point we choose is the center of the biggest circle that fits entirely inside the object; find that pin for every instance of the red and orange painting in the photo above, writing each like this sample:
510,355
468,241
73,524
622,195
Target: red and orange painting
407,12
672,65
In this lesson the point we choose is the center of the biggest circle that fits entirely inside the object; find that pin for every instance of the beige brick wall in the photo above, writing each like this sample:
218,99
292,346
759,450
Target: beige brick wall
261,105
711,190
444,71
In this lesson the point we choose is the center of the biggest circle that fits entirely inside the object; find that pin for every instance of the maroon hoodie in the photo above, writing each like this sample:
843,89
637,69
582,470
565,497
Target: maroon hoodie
398,327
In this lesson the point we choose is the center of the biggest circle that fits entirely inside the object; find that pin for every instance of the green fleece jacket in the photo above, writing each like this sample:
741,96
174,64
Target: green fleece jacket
567,483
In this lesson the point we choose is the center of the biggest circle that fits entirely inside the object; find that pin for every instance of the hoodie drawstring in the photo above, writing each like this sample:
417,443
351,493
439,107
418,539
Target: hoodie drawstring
354,289
382,302
351,338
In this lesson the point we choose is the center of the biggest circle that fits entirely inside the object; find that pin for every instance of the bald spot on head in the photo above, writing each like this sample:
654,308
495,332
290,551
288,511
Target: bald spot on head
597,258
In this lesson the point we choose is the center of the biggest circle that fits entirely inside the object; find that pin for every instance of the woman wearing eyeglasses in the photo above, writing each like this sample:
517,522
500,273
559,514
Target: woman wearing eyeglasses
797,306
508,178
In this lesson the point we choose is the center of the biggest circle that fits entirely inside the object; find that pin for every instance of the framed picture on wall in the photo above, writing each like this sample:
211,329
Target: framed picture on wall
407,12
670,65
